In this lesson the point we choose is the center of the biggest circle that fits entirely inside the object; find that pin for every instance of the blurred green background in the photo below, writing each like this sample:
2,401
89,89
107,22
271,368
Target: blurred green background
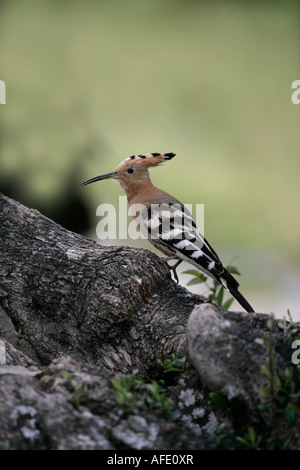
91,83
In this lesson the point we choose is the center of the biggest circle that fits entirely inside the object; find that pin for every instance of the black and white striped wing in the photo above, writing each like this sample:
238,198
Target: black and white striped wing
172,229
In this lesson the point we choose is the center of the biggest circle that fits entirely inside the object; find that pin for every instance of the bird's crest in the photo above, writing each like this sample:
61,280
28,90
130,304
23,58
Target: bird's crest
144,161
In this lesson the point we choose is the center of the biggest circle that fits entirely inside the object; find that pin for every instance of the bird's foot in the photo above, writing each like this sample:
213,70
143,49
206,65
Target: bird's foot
164,261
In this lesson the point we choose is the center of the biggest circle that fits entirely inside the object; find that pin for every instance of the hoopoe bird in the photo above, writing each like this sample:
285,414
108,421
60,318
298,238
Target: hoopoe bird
166,222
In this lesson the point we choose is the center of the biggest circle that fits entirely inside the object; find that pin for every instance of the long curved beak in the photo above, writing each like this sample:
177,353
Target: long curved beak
113,174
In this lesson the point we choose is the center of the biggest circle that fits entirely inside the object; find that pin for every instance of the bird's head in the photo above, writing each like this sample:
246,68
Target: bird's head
133,169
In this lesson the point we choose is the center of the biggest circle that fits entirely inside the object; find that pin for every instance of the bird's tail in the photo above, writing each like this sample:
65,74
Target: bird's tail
241,299
231,284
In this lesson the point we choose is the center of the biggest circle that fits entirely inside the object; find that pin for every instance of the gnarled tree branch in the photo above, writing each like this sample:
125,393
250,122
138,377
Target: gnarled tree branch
61,293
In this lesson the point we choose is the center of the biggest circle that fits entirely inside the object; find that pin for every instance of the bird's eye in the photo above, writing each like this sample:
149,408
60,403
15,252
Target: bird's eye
130,170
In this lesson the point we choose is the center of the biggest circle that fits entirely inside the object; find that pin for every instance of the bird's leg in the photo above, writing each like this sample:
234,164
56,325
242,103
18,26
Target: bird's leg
164,261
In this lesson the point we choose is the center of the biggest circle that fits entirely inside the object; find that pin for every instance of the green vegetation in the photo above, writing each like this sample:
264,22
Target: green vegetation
282,399
175,364
219,399
133,395
278,428
215,290
281,408
76,389
252,441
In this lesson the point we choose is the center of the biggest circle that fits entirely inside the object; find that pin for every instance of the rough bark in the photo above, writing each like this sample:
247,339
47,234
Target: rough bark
73,314
61,293
228,350
70,405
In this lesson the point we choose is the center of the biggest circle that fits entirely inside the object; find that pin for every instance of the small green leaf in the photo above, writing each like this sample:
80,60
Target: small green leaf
233,270
251,434
289,315
199,277
220,296
73,384
228,303
219,399
244,442
253,442
194,272
196,280
65,374
291,414
265,391
265,369
270,323
277,382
